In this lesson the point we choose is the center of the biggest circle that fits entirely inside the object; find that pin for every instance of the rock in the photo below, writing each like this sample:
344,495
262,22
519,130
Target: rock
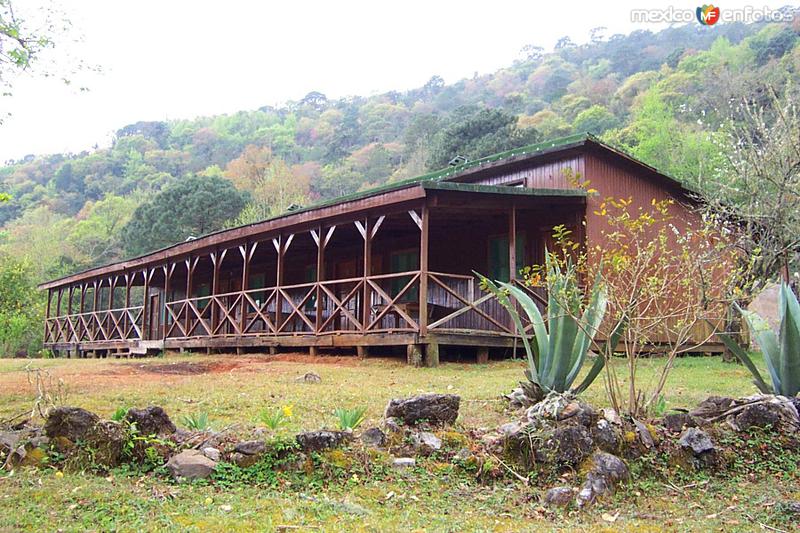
611,416
392,425
212,453
605,473
567,445
463,454
790,508
243,461
426,442
72,423
309,377
494,441
152,420
404,462
645,437
774,411
251,447
39,442
436,409
510,429
374,438
517,399
712,407
677,422
558,497
107,440
606,437
314,441
697,441
189,465
9,440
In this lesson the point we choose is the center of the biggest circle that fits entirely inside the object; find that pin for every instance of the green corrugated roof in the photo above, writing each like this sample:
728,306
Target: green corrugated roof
501,189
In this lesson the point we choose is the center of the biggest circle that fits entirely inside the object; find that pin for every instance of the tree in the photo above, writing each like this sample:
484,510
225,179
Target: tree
478,133
756,189
190,207
597,119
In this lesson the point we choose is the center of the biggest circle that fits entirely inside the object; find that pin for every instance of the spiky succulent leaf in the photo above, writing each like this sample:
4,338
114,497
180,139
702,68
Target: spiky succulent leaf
768,342
744,358
789,342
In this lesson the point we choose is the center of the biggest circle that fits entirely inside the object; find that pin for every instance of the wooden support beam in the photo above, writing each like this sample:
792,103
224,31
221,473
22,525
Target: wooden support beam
321,243
432,355
146,305
483,355
414,355
512,243
362,351
365,305
423,268
246,253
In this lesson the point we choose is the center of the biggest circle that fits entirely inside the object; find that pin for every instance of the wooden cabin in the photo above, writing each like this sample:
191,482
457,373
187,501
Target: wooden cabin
391,266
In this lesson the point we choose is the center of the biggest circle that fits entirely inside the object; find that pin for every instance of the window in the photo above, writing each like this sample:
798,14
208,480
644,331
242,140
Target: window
404,261
498,256
204,289
257,281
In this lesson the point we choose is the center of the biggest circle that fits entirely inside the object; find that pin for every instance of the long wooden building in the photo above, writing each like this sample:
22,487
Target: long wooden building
392,266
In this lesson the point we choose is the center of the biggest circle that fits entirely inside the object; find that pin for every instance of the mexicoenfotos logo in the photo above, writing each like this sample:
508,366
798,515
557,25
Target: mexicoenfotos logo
707,15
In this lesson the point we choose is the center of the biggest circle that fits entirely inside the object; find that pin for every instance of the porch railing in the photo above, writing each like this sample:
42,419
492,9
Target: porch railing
95,326
455,304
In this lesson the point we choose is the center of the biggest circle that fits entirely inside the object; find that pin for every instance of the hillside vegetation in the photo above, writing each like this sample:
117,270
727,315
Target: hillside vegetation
664,97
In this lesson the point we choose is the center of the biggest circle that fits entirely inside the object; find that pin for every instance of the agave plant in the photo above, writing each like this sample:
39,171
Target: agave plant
781,352
558,349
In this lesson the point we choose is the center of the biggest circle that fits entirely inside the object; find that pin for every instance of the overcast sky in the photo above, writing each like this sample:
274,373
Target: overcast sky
172,59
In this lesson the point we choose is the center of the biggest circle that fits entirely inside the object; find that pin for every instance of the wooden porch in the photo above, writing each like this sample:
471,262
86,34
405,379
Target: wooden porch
392,274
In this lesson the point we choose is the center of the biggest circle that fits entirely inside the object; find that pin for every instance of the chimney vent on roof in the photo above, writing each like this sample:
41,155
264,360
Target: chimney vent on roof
458,160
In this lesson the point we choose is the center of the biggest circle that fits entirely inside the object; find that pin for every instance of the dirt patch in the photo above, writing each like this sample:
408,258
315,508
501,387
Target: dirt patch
192,368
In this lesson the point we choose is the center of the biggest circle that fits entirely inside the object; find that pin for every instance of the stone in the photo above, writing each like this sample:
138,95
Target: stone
107,440
152,420
463,454
243,461
392,425
436,409
426,442
567,445
314,441
72,423
606,437
40,441
309,377
517,399
776,412
251,447
697,441
9,440
373,438
212,453
645,437
558,497
611,416
189,465
605,473
510,429
712,407
404,462
677,422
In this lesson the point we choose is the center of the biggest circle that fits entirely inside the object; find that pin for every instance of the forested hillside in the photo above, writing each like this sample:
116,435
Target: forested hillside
664,97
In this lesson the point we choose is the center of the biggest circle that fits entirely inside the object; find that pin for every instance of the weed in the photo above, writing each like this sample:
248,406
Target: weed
350,418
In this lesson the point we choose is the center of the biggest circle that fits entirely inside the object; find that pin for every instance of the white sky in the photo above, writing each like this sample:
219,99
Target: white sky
181,59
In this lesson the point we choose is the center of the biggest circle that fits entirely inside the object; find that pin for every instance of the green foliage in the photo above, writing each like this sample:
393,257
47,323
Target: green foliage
781,352
191,207
119,414
478,133
350,418
559,346
274,419
596,119
21,308
196,421
280,452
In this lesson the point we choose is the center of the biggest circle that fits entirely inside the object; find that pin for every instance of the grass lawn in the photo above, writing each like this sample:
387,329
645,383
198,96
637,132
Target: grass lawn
433,497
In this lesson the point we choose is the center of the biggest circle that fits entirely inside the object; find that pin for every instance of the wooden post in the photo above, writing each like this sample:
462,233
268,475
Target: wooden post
432,355
512,243
47,316
217,258
169,268
146,306
83,298
190,266
246,251
414,355
483,355
366,307
423,275
279,247
321,242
